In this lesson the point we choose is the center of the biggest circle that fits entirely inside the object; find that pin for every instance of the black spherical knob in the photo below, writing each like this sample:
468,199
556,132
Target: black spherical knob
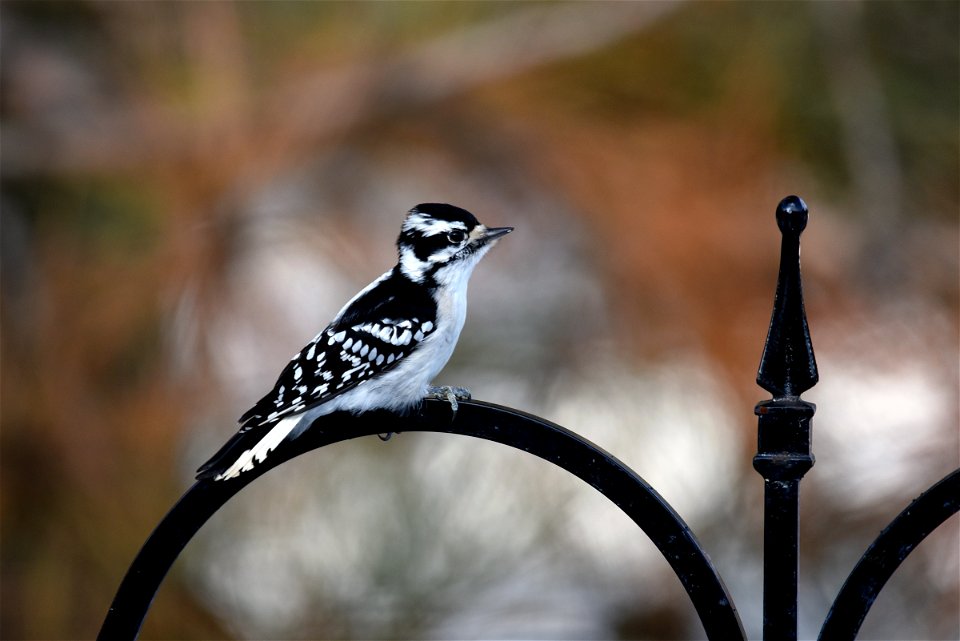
792,215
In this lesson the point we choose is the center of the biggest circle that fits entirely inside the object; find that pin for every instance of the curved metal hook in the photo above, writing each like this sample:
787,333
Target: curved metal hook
925,514
481,420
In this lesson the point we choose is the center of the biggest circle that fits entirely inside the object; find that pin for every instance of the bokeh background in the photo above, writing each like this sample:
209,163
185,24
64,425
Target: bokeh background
192,189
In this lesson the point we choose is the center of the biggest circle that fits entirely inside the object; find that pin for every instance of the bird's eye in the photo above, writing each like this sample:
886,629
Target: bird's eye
455,237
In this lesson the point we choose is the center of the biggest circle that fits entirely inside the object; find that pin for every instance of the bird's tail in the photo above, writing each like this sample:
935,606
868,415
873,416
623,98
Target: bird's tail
246,448
226,455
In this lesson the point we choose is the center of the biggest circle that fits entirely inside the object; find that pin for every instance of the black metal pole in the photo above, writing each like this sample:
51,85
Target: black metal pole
787,369
783,458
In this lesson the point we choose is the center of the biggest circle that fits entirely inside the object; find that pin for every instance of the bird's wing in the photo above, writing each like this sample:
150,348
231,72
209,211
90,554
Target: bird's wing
346,354
337,360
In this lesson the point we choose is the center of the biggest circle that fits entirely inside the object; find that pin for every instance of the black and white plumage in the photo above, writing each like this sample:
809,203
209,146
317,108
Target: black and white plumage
382,349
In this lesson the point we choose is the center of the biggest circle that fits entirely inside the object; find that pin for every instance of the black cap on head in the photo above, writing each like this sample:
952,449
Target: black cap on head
442,211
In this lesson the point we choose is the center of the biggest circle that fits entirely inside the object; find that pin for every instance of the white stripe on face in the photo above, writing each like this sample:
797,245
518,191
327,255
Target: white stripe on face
411,266
429,226
414,268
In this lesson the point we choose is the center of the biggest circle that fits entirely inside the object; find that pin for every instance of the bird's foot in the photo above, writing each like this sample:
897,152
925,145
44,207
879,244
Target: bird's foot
450,394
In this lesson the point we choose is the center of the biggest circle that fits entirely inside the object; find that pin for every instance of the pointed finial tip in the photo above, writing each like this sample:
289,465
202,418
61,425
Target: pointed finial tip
792,215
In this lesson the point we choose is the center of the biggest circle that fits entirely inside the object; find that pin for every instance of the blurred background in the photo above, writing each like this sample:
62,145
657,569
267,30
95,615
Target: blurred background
191,191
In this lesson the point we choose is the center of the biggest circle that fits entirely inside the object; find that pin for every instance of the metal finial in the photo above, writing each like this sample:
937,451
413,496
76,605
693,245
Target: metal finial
788,367
792,215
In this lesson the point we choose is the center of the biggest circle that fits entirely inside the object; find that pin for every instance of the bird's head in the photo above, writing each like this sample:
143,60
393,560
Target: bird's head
443,243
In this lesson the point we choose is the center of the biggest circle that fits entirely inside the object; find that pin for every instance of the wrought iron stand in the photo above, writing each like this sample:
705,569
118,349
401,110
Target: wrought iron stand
787,369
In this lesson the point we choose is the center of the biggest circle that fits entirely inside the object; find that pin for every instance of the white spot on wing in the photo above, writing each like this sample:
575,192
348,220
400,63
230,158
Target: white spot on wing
361,368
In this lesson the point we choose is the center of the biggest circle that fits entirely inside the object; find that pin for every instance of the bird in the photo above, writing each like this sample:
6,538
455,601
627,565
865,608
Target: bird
382,349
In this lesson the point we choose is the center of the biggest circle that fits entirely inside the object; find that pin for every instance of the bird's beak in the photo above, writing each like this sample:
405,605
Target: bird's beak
493,233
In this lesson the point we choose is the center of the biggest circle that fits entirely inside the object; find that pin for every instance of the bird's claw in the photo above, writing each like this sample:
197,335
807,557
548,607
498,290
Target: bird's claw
450,394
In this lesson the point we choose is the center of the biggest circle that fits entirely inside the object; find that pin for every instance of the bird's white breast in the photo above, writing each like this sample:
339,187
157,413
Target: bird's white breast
406,384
